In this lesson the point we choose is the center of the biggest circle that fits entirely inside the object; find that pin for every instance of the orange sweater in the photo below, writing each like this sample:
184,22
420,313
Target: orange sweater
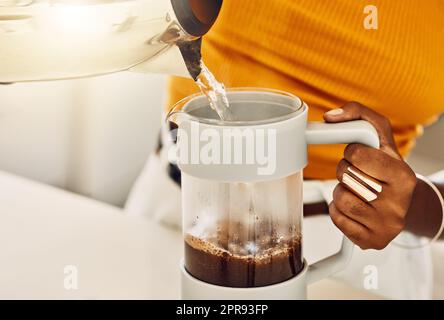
320,51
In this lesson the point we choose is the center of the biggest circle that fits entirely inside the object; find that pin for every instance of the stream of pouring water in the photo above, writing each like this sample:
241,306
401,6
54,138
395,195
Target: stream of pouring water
217,97
215,92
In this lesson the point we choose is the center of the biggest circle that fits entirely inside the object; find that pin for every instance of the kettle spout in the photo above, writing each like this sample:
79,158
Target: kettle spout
192,55
182,58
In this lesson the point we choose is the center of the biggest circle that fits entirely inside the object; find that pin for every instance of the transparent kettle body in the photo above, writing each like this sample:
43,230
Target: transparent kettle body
243,234
59,39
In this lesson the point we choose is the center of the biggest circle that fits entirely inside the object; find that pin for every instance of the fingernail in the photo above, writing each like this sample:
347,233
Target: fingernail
335,112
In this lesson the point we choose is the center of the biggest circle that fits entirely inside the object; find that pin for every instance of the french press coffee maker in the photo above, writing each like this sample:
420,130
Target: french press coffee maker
242,194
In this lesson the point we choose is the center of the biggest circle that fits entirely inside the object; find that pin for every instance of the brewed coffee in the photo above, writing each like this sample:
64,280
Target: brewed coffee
234,265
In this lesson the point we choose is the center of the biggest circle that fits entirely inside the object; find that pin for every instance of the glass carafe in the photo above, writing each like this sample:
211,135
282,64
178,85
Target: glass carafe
241,234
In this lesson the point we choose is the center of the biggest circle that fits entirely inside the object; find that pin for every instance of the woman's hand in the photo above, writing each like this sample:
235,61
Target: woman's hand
373,224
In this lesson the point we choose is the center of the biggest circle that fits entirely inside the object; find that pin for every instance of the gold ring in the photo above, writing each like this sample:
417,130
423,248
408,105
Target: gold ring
361,184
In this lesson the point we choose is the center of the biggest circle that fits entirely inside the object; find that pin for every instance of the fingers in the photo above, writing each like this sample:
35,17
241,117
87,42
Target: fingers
353,207
381,177
356,111
353,230
375,163
383,217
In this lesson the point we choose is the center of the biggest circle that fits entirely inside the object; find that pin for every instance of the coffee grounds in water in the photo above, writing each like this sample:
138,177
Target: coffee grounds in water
212,264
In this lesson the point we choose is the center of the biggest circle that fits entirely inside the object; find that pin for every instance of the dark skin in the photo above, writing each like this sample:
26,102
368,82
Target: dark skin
406,203
424,215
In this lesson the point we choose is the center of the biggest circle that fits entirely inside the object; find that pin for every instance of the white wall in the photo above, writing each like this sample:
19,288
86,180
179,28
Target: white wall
428,155
91,136
116,123
431,144
34,130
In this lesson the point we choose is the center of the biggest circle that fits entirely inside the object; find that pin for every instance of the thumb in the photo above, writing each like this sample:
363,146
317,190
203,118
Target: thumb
356,111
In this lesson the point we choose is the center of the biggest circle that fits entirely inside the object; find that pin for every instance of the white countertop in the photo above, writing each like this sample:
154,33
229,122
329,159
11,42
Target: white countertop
44,229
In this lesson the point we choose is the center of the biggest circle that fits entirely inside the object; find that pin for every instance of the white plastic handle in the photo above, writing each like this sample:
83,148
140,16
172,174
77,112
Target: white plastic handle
359,131
338,133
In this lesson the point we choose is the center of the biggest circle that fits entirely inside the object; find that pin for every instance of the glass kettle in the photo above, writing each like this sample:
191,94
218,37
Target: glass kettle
60,39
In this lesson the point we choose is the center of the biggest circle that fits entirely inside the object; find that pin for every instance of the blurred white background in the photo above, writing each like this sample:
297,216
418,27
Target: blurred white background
91,136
